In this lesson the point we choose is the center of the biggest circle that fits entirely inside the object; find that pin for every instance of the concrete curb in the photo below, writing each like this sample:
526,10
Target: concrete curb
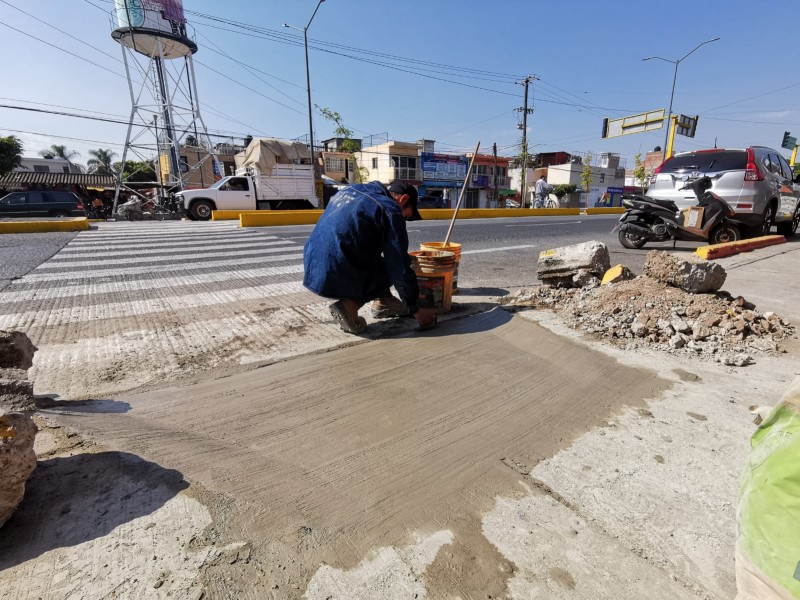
267,218
74,224
731,248
606,211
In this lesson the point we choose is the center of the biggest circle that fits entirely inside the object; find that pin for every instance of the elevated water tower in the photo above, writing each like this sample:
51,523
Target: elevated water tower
165,112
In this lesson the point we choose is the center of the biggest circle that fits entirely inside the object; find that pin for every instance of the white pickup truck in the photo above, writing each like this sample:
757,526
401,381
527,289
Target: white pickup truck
268,177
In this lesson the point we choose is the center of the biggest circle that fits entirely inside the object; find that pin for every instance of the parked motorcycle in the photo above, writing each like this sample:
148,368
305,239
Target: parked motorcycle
130,210
652,220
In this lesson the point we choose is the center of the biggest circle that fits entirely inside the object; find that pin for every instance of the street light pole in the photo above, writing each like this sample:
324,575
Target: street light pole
308,82
674,79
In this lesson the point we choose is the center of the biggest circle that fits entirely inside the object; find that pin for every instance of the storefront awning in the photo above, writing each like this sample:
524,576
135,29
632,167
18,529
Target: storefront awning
18,178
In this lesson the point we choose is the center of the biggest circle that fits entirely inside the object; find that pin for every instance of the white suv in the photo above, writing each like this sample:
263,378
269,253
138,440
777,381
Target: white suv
757,182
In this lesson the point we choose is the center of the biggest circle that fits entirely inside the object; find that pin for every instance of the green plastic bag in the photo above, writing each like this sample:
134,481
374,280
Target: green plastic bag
768,521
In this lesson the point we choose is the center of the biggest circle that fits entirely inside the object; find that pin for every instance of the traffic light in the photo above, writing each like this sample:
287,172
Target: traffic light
785,142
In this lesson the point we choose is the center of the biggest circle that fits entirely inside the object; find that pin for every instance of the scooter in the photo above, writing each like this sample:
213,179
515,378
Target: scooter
130,210
652,220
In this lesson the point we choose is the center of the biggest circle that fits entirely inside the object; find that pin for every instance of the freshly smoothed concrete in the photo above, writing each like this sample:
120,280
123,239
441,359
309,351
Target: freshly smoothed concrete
329,458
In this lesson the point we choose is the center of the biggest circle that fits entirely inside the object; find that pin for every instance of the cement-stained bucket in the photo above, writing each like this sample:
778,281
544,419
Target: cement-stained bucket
449,247
434,269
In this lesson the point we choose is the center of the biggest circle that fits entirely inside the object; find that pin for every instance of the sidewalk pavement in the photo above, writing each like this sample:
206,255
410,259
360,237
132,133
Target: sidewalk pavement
769,278
491,457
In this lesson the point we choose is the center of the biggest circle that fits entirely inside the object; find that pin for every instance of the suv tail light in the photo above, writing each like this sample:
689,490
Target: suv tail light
656,172
79,205
753,173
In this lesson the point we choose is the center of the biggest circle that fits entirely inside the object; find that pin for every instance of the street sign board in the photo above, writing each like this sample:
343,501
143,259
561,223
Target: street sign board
640,123
686,125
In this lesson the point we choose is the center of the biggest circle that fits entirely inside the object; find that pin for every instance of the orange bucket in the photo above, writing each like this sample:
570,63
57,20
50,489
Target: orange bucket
449,247
434,269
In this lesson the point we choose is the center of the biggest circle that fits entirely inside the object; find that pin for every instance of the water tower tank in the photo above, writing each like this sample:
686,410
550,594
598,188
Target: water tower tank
156,28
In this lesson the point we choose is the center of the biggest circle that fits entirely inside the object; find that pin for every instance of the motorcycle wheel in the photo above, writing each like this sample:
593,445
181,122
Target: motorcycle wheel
723,233
134,215
634,242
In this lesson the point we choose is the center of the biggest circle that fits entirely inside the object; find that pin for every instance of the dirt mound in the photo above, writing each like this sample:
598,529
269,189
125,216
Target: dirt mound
644,312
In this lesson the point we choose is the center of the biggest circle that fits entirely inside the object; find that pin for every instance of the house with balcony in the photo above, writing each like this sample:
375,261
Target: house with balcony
608,178
392,160
336,163
489,180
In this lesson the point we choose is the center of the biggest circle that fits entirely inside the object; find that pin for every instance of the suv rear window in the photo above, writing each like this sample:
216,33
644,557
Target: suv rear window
707,162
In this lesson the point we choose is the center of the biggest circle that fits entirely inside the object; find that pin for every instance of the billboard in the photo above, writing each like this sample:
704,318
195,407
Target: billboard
444,167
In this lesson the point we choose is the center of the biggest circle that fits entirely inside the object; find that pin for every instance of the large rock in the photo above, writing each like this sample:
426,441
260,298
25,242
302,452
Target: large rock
17,460
690,273
16,395
573,266
16,350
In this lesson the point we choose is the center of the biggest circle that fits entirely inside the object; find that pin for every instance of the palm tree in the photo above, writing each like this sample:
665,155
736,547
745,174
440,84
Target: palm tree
56,151
100,162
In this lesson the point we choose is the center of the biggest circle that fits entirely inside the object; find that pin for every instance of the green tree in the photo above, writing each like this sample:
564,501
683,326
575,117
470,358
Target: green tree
638,171
136,171
586,174
56,151
348,145
10,154
100,163
562,189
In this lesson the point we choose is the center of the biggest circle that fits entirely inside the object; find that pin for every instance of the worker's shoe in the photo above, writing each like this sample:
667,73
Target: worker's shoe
388,307
345,311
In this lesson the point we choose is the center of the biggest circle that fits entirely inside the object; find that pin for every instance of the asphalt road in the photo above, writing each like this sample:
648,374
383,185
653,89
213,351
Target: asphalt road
20,253
501,254
497,254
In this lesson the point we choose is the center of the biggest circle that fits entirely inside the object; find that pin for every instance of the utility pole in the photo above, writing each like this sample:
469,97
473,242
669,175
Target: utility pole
496,195
525,112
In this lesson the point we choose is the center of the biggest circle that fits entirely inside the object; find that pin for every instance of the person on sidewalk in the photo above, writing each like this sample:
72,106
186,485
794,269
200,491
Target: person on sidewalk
542,191
359,248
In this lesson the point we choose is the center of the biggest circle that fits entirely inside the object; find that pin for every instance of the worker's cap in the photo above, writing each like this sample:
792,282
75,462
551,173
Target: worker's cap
403,187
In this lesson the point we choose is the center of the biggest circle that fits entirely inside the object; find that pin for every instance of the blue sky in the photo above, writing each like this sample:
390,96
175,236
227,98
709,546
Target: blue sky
588,56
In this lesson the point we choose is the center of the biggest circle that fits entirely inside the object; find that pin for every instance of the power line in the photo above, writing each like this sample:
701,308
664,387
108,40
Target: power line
63,50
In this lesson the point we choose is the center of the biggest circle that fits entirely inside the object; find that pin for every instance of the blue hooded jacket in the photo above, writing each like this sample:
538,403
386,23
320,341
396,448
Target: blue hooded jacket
360,245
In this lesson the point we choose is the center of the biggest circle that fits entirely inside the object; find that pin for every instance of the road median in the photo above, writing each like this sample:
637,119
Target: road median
272,218
45,226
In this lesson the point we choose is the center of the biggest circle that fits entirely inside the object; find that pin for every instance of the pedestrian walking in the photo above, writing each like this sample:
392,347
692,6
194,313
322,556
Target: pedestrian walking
542,191
359,248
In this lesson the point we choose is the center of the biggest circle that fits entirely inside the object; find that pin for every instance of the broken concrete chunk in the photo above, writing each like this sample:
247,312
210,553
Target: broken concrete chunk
16,395
16,350
677,341
618,273
572,266
17,460
691,274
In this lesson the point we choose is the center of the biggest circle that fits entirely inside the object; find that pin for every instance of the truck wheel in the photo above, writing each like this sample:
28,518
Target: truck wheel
201,210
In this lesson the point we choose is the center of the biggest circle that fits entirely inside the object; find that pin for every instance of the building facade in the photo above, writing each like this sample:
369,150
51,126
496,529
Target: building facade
392,160
48,165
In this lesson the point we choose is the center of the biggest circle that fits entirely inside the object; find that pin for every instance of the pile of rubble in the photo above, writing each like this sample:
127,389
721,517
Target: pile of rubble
17,430
655,310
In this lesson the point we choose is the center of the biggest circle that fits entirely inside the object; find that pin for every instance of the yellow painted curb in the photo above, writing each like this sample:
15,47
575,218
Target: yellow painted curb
731,248
267,218
74,224
437,214
276,218
609,210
